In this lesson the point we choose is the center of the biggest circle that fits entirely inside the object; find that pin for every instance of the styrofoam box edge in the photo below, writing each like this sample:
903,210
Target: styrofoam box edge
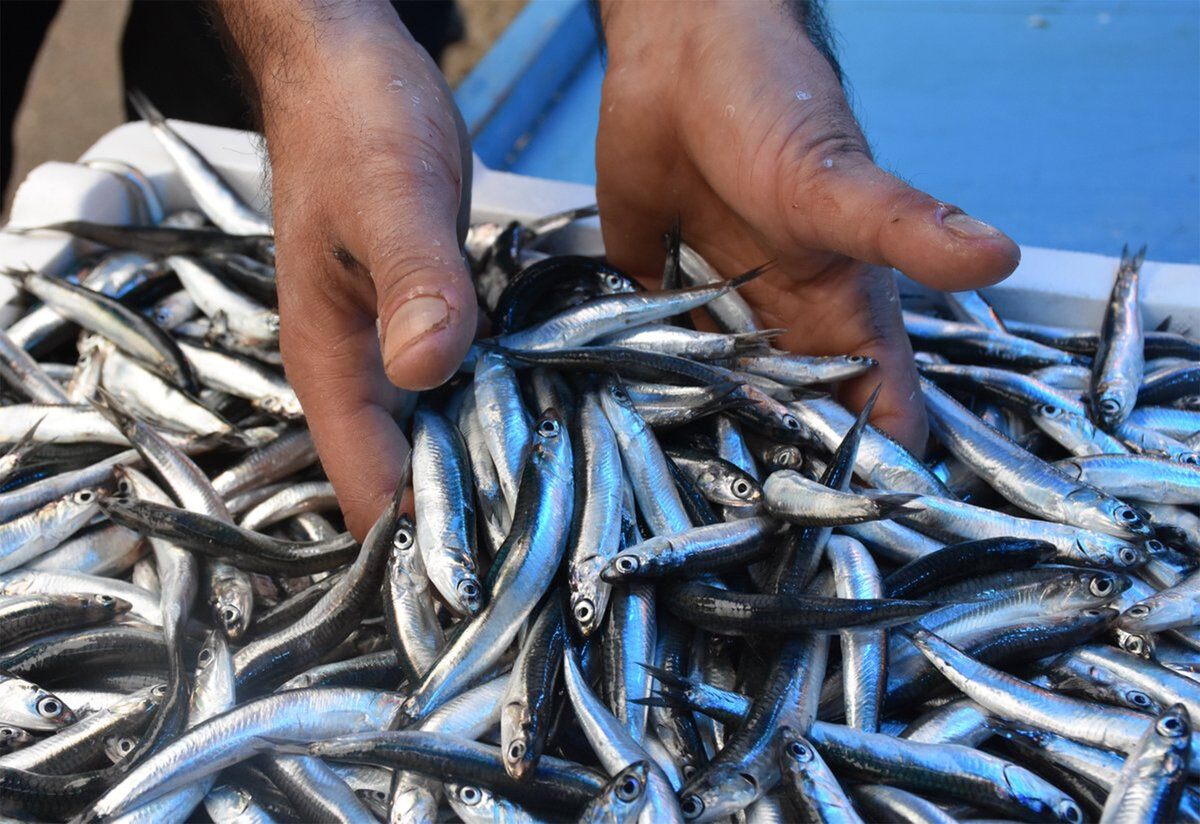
1050,286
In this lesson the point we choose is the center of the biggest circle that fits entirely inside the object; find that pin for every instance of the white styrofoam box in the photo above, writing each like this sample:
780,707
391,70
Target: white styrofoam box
1050,286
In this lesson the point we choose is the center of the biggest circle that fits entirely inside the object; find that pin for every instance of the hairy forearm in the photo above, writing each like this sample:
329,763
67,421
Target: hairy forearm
280,46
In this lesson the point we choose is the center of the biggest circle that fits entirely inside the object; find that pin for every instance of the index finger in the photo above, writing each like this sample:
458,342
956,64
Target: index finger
332,357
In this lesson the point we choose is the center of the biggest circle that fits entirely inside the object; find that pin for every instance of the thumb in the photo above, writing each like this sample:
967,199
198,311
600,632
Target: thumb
870,215
426,304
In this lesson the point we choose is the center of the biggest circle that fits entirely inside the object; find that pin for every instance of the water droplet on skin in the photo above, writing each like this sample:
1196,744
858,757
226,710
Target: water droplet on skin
437,243
396,85
829,163
803,95
416,99
425,165
729,111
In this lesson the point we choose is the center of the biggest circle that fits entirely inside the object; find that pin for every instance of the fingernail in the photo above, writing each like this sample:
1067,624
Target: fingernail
413,320
968,227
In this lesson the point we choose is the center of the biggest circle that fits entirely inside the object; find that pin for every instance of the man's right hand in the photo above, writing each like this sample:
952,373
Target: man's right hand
370,187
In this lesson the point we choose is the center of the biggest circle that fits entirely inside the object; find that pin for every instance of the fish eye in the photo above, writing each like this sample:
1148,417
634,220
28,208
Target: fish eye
125,745
273,323
230,615
584,610
205,656
790,422
1138,611
124,487
49,707
1050,410
1109,406
626,564
469,590
1126,514
1155,545
1093,613
1128,555
84,496
1101,586
548,428
692,807
159,690
742,488
516,751
1071,813
855,359
105,600
614,282
403,539
1138,699
798,751
688,771
470,795
629,789
619,395
1171,725
1190,458
1134,645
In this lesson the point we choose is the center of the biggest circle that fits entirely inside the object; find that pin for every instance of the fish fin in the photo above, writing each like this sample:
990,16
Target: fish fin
1138,259
893,503
671,278
666,677
1164,326
656,700
754,341
147,110
26,444
742,279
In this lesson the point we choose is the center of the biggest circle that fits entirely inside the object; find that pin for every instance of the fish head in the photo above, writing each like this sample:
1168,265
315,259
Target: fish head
795,753
231,613
413,803
588,596
1034,794
468,591
625,794
717,792
13,738
1108,551
116,747
517,749
1175,727
30,707
1111,404
623,565
1135,643
473,803
744,490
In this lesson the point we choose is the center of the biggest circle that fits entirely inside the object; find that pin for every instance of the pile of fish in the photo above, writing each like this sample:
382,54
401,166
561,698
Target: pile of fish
653,573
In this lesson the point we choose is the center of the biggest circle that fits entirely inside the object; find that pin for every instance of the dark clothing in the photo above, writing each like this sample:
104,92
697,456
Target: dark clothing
171,52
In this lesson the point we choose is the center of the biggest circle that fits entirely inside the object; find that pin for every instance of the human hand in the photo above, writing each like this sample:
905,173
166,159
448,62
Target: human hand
724,114
370,186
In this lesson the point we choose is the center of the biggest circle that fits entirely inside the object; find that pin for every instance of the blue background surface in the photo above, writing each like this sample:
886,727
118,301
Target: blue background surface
1070,124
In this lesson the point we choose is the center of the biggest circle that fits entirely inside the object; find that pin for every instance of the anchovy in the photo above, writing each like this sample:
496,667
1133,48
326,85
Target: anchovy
1117,368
